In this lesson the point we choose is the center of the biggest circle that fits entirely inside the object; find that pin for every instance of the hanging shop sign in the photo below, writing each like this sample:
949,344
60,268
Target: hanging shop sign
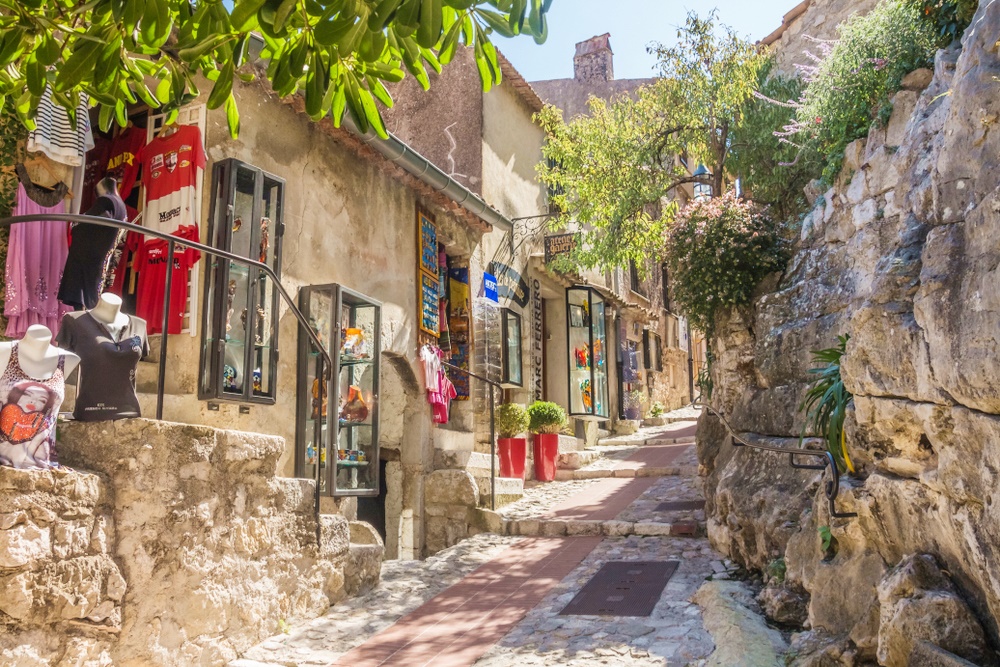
490,287
537,340
559,244
510,284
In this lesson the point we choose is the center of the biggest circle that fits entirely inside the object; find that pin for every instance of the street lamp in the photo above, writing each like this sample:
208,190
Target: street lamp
702,190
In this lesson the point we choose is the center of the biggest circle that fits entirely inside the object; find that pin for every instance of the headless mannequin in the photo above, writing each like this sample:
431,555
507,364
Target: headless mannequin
37,356
108,312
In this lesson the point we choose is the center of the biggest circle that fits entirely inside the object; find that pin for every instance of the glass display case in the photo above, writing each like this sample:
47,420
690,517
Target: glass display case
587,343
349,324
240,326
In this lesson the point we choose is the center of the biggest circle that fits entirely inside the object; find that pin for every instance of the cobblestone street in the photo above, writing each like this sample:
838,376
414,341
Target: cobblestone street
495,600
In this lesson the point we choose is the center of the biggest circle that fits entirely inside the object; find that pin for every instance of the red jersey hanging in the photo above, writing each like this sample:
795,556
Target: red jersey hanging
170,167
123,159
152,263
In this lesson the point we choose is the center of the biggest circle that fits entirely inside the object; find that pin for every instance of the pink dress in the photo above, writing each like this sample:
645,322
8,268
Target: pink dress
36,254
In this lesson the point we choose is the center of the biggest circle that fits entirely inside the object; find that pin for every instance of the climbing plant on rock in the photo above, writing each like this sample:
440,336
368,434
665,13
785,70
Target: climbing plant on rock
717,251
339,53
610,171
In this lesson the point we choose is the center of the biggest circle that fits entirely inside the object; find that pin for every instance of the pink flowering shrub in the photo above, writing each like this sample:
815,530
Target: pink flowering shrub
851,80
717,251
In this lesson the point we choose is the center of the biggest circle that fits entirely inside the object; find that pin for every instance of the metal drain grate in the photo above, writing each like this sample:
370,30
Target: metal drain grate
681,506
623,588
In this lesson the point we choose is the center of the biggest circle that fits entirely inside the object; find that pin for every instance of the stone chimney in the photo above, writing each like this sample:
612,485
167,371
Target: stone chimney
594,60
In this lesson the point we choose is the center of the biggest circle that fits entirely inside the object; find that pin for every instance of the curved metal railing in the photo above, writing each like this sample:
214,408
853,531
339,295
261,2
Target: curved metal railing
832,485
324,361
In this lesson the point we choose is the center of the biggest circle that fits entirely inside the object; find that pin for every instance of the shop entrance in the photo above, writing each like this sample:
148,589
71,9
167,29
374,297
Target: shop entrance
372,509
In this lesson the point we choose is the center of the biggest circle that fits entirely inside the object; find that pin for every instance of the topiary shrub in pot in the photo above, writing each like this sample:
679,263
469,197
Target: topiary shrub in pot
545,421
512,421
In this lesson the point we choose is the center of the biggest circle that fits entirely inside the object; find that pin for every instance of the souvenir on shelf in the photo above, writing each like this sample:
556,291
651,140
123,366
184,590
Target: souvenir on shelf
265,226
353,455
229,378
318,399
355,346
587,393
582,355
598,354
354,410
257,381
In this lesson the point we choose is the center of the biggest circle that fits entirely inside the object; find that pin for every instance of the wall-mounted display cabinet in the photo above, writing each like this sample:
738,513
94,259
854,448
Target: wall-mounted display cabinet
239,356
587,343
337,424
513,364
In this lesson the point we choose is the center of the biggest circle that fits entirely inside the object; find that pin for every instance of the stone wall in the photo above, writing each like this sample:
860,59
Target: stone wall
819,21
184,548
901,254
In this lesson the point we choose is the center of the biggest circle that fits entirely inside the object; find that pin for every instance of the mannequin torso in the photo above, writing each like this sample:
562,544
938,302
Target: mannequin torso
108,312
37,356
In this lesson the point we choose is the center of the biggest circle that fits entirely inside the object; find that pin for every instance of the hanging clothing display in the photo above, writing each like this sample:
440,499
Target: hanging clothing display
123,158
107,365
440,390
28,410
36,253
56,136
83,277
121,256
170,167
151,261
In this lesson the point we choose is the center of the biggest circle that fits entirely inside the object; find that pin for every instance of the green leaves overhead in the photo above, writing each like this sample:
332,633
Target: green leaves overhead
337,53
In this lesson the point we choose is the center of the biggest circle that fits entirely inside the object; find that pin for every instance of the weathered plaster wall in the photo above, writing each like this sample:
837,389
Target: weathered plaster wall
901,254
184,548
445,123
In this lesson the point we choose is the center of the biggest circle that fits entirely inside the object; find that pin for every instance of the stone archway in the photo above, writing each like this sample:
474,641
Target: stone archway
405,432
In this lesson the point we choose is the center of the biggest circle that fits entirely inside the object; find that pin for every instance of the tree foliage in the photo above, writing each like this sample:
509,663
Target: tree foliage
610,171
717,251
339,53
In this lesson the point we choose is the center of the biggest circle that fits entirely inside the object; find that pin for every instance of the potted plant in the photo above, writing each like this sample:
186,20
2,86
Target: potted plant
545,420
511,421
656,418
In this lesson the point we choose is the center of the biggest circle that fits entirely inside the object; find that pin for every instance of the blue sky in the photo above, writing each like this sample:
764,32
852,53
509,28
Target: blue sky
633,24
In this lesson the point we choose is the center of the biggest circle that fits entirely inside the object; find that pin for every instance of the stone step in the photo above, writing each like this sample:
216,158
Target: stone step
495,523
577,460
477,463
508,490
626,473
633,441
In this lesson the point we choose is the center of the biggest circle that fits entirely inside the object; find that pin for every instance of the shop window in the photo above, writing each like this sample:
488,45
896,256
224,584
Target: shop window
240,327
512,353
665,280
588,352
652,351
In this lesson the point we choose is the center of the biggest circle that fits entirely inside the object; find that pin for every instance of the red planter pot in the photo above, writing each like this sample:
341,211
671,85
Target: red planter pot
513,452
545,447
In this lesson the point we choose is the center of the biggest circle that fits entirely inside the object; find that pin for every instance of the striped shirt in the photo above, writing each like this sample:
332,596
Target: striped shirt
55,135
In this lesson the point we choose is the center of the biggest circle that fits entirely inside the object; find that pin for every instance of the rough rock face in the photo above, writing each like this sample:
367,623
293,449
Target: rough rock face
901,254
61,590
184,549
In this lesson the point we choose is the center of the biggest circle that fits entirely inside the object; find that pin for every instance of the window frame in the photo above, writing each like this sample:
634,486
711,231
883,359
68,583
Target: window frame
506,315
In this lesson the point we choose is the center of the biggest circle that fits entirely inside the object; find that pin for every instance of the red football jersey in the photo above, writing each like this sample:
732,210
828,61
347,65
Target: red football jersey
169,171
152,264
123,159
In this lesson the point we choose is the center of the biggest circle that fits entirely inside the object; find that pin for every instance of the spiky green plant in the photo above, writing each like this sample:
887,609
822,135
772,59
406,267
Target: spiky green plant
826,403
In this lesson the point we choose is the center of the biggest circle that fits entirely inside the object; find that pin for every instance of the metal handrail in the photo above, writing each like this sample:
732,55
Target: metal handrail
832,488
493,440
172,240
324,355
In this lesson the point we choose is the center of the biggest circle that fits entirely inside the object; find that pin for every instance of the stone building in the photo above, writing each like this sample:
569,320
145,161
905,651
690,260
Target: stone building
644,325
807,24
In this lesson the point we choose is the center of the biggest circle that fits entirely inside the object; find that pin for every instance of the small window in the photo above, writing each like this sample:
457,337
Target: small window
635,283
665,279
652,351
512,361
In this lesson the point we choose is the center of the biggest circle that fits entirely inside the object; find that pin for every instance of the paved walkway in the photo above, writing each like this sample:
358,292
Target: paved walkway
494,601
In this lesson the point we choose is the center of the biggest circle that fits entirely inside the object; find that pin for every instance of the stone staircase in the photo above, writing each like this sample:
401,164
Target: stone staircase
477,464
